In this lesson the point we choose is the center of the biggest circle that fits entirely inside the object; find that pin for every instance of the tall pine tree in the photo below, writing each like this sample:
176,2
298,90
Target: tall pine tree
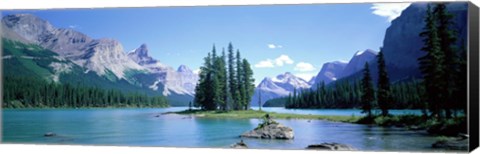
241,91
383,90
367,91
249,83
222,78
432,65
447,36
232,84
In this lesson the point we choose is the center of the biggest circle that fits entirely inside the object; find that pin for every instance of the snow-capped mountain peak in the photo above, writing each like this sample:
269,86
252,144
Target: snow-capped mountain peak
184,68
367,51
358,61
279,86
330,72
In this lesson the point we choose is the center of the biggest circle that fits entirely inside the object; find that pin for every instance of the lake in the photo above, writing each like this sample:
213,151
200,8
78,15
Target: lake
142,127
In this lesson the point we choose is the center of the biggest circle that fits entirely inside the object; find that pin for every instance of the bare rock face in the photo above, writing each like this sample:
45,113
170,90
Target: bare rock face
180,81
103,56
402,43
331,146
271,130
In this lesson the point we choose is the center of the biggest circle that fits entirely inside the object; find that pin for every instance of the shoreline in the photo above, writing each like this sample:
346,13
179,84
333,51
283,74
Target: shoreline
256,114
409,122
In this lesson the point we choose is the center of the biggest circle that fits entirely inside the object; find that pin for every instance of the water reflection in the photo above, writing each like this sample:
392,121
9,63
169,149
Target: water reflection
148,127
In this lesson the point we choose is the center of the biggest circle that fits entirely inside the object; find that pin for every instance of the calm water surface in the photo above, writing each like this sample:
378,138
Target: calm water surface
142,127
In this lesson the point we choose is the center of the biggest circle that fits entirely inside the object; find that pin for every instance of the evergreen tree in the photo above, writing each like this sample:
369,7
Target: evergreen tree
31,92
232,84
204,96
383,90
249,83
461,91
451,61
432,65
216,81
240,83
224,86
222,78
367,91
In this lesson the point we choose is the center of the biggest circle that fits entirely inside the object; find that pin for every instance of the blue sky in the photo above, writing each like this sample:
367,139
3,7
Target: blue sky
275,39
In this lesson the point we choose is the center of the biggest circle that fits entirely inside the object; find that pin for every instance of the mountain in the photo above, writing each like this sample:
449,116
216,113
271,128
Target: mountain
75,56
357,62
280,86
402,43
180,81
103,56
330,72
188,78
31,60
140,56
312,80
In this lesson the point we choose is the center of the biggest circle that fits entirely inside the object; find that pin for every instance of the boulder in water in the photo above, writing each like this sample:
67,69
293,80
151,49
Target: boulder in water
331,146
270,130
49,134
239,145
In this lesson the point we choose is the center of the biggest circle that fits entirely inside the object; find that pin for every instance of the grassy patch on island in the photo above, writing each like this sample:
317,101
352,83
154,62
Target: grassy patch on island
251,114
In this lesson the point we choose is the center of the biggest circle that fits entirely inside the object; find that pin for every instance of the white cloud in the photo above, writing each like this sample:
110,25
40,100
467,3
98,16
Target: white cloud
279,61
283,59
389,10
273,46
305,76
265,64
304,67
196,71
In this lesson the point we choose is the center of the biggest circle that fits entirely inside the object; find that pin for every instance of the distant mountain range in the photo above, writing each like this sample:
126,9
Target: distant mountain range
104,57
284,84
401,47
279,86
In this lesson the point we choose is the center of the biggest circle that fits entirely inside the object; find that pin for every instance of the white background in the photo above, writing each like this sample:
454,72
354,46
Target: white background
63,149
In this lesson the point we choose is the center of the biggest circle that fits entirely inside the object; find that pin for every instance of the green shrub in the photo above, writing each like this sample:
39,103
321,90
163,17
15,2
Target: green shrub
387,120
448,127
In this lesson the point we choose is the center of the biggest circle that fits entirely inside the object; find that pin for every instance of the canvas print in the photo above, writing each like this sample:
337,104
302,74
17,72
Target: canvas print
367,77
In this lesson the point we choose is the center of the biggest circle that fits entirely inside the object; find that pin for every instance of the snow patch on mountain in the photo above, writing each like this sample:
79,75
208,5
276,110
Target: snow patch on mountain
279,86
58,69
330,72
357,62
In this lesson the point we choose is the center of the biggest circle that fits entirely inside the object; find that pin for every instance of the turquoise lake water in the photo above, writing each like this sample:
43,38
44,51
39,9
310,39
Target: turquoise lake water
142,127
